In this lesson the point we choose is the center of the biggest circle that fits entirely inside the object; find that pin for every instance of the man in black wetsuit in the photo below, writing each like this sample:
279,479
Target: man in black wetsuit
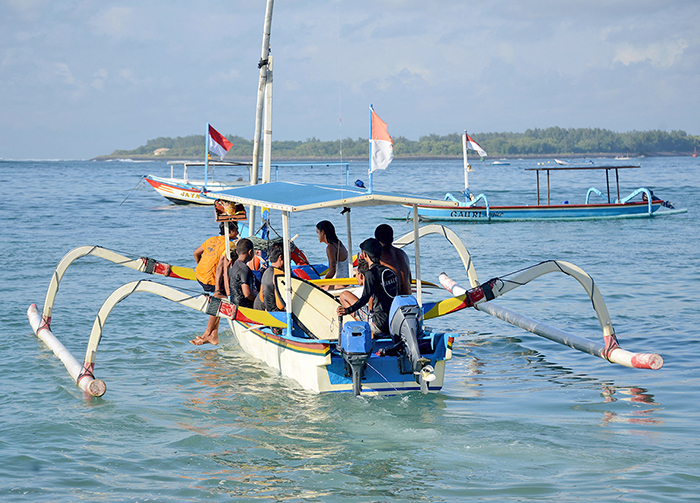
269,299
381,285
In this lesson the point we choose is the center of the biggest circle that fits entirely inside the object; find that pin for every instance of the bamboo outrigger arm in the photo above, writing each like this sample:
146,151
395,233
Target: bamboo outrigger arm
452,237
83,374
141,264
480,296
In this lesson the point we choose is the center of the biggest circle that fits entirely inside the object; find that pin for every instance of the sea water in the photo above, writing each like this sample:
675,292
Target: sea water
520,418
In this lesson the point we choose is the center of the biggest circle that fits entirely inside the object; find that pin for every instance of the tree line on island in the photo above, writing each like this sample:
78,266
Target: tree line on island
533,142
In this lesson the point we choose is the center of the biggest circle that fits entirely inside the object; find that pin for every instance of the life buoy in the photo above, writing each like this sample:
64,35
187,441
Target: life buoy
298,256
254,263
300,273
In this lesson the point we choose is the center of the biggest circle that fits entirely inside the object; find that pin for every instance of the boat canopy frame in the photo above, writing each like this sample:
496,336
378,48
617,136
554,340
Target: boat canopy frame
293,197
574,168
213,164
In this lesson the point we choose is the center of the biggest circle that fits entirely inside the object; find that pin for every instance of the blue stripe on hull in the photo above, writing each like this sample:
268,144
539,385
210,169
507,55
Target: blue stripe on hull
559,212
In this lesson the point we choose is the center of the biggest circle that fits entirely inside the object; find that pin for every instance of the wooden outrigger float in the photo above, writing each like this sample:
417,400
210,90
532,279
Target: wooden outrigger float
320,363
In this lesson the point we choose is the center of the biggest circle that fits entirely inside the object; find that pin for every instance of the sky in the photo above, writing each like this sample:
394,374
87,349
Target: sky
82,78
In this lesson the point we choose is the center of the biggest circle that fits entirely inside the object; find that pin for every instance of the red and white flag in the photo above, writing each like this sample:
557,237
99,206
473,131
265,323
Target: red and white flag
471,144
218,143
381,145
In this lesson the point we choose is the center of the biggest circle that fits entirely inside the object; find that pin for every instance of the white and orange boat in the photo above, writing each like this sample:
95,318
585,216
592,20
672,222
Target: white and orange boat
186,191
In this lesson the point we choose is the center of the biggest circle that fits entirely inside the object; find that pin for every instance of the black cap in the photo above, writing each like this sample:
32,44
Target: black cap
372,246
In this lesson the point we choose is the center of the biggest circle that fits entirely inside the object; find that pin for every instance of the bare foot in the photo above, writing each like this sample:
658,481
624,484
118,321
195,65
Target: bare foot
211,339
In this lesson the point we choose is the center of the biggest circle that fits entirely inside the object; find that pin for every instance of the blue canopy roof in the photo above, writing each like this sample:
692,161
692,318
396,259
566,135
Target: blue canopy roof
293,196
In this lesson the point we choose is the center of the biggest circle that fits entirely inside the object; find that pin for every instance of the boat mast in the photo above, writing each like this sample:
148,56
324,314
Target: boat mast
206,158
371,150
263,65
267,126
466,165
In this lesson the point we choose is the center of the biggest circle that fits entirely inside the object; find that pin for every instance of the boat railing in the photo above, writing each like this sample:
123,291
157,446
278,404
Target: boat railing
591,191
472,202
641,190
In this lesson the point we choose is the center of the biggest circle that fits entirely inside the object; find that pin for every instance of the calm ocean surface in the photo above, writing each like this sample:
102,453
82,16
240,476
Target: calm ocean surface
520,418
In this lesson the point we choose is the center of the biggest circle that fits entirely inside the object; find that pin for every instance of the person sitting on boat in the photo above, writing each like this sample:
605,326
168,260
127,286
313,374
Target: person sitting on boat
667,204
335,250
241,279
351,295
381,286
394,258
210,259
269,299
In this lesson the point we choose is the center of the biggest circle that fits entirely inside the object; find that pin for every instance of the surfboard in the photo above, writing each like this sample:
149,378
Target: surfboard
313,308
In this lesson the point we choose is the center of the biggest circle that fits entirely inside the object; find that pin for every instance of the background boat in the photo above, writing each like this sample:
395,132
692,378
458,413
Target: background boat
185,190
639,203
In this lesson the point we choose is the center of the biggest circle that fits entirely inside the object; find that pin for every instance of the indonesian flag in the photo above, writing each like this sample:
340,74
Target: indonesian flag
380,144
218,144
471,144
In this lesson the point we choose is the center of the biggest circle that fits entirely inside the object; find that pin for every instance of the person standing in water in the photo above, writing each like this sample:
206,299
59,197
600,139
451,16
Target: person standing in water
335,250
209,257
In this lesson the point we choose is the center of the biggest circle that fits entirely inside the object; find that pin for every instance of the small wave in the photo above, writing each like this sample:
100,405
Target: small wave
124,160
40,160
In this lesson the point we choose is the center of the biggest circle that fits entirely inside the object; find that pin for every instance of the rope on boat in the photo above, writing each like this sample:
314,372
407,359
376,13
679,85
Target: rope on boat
143,177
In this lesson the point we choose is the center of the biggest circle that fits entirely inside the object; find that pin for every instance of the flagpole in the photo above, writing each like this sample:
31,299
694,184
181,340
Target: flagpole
466,165
370,148
206,157
263,66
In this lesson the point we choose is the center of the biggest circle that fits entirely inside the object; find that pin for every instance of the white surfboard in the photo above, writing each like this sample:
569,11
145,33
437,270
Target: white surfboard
313,308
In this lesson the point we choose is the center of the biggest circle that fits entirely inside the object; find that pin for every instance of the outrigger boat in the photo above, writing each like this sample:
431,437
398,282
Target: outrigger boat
308,342
476,208
203,192
187,191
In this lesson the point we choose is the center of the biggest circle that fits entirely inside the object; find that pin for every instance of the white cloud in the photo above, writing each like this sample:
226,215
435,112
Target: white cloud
100,76
113,21
128,75
229,76
660,54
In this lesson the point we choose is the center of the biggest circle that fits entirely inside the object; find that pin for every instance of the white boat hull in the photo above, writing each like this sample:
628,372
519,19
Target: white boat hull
317,367
182,191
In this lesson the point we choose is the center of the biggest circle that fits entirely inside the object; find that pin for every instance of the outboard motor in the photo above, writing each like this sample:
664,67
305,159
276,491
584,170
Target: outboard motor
356,346
406,325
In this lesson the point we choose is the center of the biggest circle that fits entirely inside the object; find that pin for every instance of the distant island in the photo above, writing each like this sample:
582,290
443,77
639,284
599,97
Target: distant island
549,142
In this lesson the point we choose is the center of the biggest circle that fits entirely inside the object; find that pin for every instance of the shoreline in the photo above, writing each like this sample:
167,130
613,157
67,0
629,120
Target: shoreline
509,157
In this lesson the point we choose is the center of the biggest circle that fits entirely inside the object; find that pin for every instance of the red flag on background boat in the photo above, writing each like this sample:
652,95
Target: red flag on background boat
218,143
381,144
471,144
